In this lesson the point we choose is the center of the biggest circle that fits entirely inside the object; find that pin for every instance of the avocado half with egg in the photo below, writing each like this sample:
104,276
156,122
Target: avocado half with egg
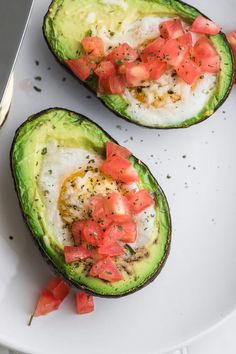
55,161
135,22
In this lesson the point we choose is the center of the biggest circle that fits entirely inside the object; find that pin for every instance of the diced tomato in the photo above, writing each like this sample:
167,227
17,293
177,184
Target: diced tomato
92,232
105,69
59,288
93,46
173,53
120,218
152,50
171,29
156,69
139,200
116,204
46,303
106,269
185,39
76,253
203,25
120,169
114,84
113,249
188,70
203,48
77,231
115,149
232,40
97,204
205,56
124,53
124,231
127,231
209,65
136,74
112,234
84,303
81,67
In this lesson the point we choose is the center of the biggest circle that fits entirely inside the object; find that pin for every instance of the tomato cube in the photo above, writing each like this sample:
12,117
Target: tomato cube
124,53
82,67
46,303
115,149
112,249
76,253
120,169
105,69
84,303
59,288
152,50
137,74
188,71
173,53
106,269
139,200
171,29
205,26
156,69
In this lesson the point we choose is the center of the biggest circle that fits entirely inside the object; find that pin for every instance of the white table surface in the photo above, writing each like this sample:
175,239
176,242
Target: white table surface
220,340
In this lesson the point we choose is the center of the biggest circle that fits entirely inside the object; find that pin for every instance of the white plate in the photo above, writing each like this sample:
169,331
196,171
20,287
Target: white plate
196,288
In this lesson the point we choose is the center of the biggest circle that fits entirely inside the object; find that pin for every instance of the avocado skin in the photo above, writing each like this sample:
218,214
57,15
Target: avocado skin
41,247
184,125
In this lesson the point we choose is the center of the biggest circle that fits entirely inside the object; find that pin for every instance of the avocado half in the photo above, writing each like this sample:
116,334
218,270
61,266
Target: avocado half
72,130
67,22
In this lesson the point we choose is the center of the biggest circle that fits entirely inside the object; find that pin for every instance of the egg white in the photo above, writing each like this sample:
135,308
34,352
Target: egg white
58,164
193,98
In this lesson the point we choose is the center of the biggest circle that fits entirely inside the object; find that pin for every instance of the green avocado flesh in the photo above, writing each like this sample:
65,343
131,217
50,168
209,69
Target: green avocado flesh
70,130
69,21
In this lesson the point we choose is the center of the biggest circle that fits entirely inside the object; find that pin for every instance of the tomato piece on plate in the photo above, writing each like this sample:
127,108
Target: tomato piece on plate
188,70
93,46
77,231
97,204
106,269
156,69
152,50
92,232
120,169
115,149
139,200
231,37
137,74
46,303
171,29
105,69
173,53
205,26
185,39
76,253
81,67
113,249
124,53
205,56
59,288
114,84
84,303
